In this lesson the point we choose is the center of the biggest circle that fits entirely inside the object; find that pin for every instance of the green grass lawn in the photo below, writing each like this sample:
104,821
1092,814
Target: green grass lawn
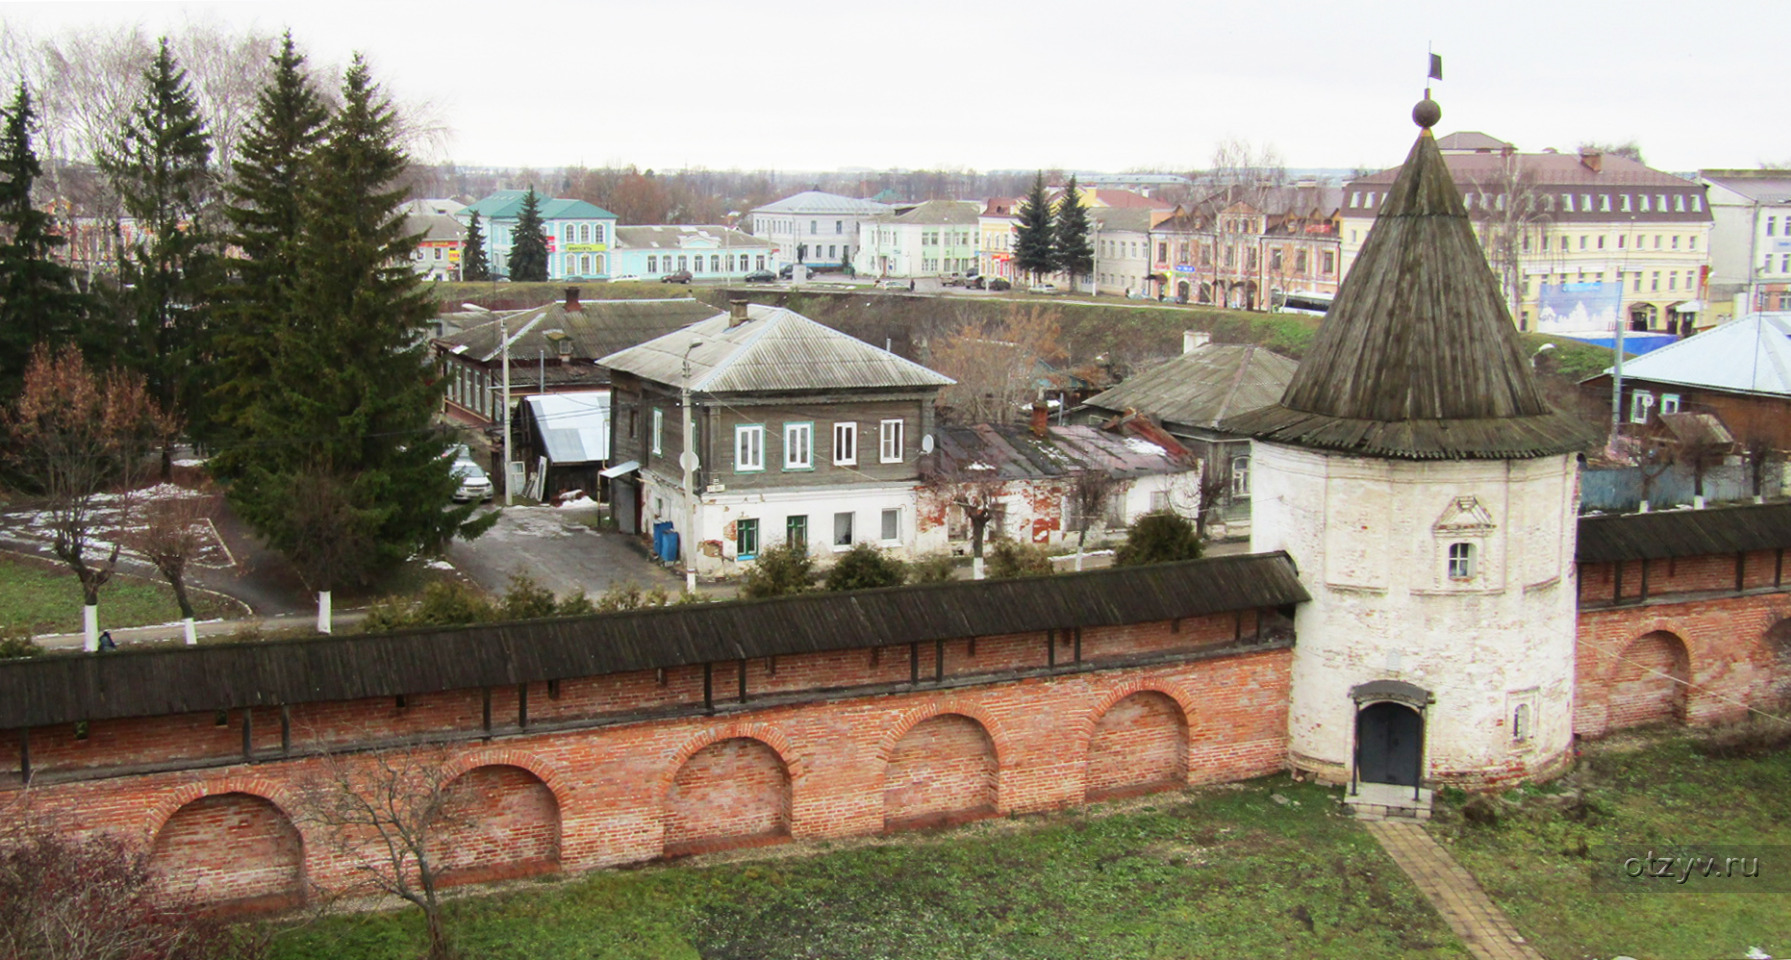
1537,859
37,596
1220,873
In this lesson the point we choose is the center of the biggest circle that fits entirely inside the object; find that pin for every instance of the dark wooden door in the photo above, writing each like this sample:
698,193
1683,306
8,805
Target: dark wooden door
1389,744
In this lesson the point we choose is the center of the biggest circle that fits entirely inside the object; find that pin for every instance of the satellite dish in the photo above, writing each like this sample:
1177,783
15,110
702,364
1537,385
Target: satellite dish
926,444
688,460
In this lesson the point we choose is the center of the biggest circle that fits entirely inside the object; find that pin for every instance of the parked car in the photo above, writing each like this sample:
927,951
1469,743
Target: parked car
626,278
786,271
681,276
474,484
1046,288
999,283
894,284
760,276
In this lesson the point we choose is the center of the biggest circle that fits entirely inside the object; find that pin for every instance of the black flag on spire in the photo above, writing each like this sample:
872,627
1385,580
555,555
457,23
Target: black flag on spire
1436,66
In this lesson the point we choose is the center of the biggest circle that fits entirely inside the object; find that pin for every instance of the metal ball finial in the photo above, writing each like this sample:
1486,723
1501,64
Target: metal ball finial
1427,113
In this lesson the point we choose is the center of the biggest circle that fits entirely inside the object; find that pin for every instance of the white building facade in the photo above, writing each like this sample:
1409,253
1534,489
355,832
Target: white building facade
936,238
812,227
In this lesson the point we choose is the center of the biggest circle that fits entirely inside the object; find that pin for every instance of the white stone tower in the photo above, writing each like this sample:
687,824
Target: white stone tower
1427,494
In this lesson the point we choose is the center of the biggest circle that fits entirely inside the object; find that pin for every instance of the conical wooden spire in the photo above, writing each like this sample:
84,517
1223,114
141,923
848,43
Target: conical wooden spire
1418,357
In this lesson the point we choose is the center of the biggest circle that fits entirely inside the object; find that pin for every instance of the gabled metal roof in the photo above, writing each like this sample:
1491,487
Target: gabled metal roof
1685,533
596,328
1204,386
137,683
1012,452
818,202
774,350
1749,355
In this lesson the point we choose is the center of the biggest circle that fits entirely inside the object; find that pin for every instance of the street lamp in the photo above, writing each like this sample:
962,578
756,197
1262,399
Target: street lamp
688,461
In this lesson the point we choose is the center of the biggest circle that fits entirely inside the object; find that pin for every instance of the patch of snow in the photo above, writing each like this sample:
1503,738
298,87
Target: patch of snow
979,465
189,463
578,503
440,565
1141,445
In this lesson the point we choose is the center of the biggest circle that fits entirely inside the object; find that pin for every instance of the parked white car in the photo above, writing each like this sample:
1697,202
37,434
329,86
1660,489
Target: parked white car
627,278
1044,288
474,484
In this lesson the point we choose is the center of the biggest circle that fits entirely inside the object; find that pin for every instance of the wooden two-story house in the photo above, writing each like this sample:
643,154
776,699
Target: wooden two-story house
801,434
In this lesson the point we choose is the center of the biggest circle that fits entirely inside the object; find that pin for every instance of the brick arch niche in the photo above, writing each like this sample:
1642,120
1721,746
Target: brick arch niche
1650,682
231,849
499,821
943,770
733,792
1778,647
1139,744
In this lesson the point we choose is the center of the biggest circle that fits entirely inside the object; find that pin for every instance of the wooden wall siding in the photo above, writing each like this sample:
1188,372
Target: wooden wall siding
729,793
1684,533
229,848
1140,743
503,822
942,771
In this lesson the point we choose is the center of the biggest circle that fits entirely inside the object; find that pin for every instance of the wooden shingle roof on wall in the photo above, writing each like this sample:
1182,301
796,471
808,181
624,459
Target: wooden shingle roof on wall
62,689
1418,357
1685,533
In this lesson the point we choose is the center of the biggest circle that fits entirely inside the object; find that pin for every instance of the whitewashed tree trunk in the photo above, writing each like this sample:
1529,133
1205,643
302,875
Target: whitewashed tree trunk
976,568
1643,508
192,634
323,611
1698,502
90,625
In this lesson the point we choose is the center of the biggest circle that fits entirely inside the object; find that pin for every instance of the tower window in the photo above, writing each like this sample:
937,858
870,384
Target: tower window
1461,561
1520,722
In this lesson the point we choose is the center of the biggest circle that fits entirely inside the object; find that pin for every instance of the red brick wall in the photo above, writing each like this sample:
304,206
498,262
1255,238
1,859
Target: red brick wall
943,770
1730,661
229,847
630,788
1712,572
502,822
727,792
1138,744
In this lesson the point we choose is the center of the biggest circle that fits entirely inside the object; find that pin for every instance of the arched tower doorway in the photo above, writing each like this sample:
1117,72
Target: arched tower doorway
1389,744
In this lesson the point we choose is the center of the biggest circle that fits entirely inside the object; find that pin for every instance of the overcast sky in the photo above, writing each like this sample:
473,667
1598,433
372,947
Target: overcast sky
1045,83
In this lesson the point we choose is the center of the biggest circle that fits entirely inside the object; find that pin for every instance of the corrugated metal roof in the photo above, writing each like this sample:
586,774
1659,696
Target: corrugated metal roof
1012,452
596,328
1418,357
1204,386
60,689
1749,355
943,212
1685,533
574,426
775,350
818,202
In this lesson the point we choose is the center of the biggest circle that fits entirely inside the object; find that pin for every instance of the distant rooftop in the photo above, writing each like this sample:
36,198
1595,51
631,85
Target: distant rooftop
507,205
819,202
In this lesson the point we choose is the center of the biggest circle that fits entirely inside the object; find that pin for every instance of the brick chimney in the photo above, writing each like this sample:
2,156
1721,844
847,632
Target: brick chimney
1592,160
736,312
1193,340
572,298
1041,419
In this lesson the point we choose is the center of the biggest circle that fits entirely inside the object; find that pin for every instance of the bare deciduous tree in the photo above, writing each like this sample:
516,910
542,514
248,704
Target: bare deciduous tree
76,437
1508,211
170,532
996,369
1090,491
388,813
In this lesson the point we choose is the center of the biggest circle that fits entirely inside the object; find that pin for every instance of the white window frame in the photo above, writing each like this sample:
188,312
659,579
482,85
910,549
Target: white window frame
1640,402
889,441
1461,561
1669,403
749,448
799,445
850,531
883,525
658,431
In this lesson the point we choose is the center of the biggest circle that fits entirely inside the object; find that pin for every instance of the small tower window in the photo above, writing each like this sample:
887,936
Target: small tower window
1461,561
1520,722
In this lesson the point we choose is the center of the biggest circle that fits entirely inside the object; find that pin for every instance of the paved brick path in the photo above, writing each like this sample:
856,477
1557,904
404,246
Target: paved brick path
1455,894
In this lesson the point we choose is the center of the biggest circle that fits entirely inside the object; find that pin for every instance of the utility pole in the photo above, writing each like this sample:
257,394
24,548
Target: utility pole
688,461
504,345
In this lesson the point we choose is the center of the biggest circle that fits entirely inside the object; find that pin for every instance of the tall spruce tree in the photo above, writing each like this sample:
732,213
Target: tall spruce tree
39,302
1069,235
271,173
346,476
528,252
473,265
1034,250
159,165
